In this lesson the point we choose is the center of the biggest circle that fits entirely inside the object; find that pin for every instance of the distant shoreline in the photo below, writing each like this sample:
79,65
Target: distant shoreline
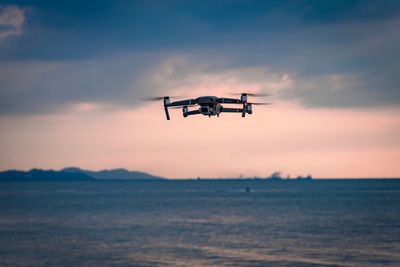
76,174
172,180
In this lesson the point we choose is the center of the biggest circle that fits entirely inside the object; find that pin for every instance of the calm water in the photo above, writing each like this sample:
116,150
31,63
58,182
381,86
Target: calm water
200,223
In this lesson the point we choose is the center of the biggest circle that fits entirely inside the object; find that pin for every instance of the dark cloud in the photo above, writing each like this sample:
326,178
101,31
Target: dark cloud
326,11
337,53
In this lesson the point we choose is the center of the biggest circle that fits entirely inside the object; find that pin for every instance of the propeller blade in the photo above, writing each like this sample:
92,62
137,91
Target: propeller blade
156,98
260,103
152,98
253,94
259,95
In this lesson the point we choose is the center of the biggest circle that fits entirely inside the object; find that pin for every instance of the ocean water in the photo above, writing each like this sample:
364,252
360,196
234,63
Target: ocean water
200,223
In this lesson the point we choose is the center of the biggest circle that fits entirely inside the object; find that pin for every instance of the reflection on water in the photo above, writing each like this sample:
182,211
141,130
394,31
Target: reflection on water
200,223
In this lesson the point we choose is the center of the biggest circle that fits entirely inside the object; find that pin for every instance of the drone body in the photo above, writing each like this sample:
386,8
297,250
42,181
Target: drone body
210,105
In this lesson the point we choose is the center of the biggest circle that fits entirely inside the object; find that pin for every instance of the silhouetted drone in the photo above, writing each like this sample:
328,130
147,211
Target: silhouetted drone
210,105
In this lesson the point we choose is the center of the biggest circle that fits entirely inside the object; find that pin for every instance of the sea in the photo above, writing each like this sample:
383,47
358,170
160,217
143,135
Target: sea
200,223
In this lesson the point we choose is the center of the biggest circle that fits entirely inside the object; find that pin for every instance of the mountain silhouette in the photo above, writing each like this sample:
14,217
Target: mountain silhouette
113,174
74,174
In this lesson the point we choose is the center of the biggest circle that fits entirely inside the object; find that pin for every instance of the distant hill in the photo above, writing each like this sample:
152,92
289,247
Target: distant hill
113,174
74,174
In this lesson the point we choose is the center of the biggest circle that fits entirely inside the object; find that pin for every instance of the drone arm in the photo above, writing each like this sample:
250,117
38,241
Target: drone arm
229,100
193,112
232,110
187,102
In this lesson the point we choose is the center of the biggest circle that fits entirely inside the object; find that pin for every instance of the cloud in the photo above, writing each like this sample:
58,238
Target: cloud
51,86
11,20
122,80
335,55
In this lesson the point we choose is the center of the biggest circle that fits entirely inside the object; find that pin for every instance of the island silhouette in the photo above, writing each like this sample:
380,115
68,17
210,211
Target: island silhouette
120,174
75,174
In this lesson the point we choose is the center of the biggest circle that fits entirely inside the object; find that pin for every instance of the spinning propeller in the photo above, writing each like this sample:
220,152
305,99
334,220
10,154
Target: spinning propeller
156,98
252,94
259,103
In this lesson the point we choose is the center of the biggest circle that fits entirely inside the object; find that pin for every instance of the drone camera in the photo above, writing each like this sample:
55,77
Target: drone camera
204,110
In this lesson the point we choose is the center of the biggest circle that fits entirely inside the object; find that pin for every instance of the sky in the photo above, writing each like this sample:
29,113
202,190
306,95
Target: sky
73,73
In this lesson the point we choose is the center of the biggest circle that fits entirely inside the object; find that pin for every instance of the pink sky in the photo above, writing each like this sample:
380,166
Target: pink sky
284,137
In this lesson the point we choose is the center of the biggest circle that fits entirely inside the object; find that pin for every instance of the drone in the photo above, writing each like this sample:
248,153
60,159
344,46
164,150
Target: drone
210,105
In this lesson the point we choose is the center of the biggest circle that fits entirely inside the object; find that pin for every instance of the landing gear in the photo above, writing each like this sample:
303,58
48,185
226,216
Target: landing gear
185,111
